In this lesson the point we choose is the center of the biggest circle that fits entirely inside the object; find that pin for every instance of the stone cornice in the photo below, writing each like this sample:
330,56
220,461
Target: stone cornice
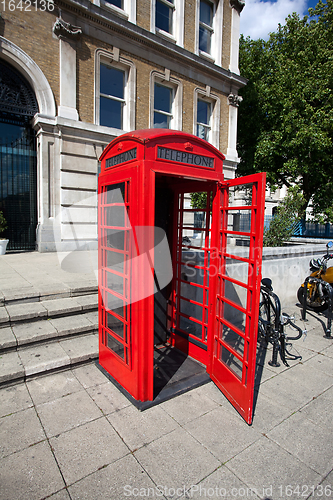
108,23
237,5
66,30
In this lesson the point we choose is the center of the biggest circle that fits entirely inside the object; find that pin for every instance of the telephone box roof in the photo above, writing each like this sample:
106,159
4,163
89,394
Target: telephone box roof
152,134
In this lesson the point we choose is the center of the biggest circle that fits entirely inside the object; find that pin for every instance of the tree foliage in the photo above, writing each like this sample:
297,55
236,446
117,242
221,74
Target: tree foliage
286,117
288,213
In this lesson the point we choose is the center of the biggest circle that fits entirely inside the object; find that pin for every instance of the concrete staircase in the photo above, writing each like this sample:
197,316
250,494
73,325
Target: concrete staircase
42,333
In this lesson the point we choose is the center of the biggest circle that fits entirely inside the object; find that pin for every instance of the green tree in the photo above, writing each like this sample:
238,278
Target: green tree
288,214
286,117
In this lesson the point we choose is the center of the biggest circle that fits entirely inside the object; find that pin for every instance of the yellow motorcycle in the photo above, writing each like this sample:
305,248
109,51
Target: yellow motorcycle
318,287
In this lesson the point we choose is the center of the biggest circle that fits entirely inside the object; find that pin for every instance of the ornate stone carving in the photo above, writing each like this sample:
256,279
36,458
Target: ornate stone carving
16,95
234,100
66,30
238,5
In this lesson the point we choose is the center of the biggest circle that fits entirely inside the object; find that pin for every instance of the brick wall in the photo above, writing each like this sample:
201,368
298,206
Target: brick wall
32,32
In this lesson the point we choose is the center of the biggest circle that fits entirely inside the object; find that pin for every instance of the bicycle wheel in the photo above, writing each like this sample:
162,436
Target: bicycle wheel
267,318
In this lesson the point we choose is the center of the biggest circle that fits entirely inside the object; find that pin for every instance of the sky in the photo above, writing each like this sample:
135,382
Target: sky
260,17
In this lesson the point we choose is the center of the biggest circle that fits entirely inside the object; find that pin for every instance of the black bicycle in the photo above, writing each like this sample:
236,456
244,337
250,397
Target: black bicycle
272,323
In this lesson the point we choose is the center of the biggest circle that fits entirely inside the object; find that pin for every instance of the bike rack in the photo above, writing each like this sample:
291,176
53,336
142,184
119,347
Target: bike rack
329,290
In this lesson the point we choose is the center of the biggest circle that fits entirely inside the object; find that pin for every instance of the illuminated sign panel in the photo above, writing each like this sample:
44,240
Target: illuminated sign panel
121,158
185,157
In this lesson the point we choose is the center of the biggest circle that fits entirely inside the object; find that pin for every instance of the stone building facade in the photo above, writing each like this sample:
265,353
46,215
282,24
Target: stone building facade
100,68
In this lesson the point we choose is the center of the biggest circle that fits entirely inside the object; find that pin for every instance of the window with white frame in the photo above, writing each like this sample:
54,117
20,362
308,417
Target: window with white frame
122,8
167,19
206,25
165,101
209,25
164,10
206,123
114,91
204,113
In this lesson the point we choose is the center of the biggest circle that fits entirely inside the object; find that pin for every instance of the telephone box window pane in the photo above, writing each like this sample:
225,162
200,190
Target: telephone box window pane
191,292
232,362
115,304
114,239
115,282
115,261
233,339
115,216
115,193
111,113
163,16
115,324
190,309
190,327
115,346
112,81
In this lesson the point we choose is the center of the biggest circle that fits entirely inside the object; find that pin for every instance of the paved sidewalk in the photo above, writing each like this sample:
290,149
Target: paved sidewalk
73,435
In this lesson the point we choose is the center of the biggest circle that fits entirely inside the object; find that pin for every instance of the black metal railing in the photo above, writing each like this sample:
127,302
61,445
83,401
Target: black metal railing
18,188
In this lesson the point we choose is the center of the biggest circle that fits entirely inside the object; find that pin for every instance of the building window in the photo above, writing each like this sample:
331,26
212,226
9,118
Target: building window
209,27
112,86
204,111
206,26
114,91
123,8
165,101
206,123
164,15
167,19
117,3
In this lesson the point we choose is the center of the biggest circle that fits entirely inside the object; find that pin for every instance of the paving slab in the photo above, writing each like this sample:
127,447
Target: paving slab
50,387
85,449
13,399
81,348
221,484
89,375
295,435
177,460
68,412
125,478
108,398
19,291
319,410
188,406
61,495
7,338
321,363
222,434
274,473
140,428
11,367
35,331
268,413
20,312
30,474
42,358
19,431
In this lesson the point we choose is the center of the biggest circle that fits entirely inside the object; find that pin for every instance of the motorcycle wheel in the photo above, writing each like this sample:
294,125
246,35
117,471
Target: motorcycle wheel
317,305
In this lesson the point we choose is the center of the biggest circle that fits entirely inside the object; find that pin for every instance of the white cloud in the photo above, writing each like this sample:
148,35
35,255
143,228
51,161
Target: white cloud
259,18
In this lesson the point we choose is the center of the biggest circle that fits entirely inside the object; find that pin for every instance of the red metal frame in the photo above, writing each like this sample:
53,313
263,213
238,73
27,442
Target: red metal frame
187,164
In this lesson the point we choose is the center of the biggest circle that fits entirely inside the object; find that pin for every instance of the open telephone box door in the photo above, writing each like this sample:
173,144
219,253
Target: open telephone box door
179,262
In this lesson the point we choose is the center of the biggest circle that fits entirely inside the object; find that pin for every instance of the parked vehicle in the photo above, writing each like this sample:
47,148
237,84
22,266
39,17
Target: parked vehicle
317,287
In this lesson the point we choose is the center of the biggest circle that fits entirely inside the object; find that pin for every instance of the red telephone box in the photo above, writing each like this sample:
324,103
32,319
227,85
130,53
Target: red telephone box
202,298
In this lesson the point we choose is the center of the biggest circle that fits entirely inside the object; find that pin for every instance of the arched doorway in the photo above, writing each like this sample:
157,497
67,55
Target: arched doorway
18,159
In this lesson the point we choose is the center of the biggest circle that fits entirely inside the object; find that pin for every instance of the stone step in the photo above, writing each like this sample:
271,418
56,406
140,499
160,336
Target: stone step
46,292
18,335
15,313
35,359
